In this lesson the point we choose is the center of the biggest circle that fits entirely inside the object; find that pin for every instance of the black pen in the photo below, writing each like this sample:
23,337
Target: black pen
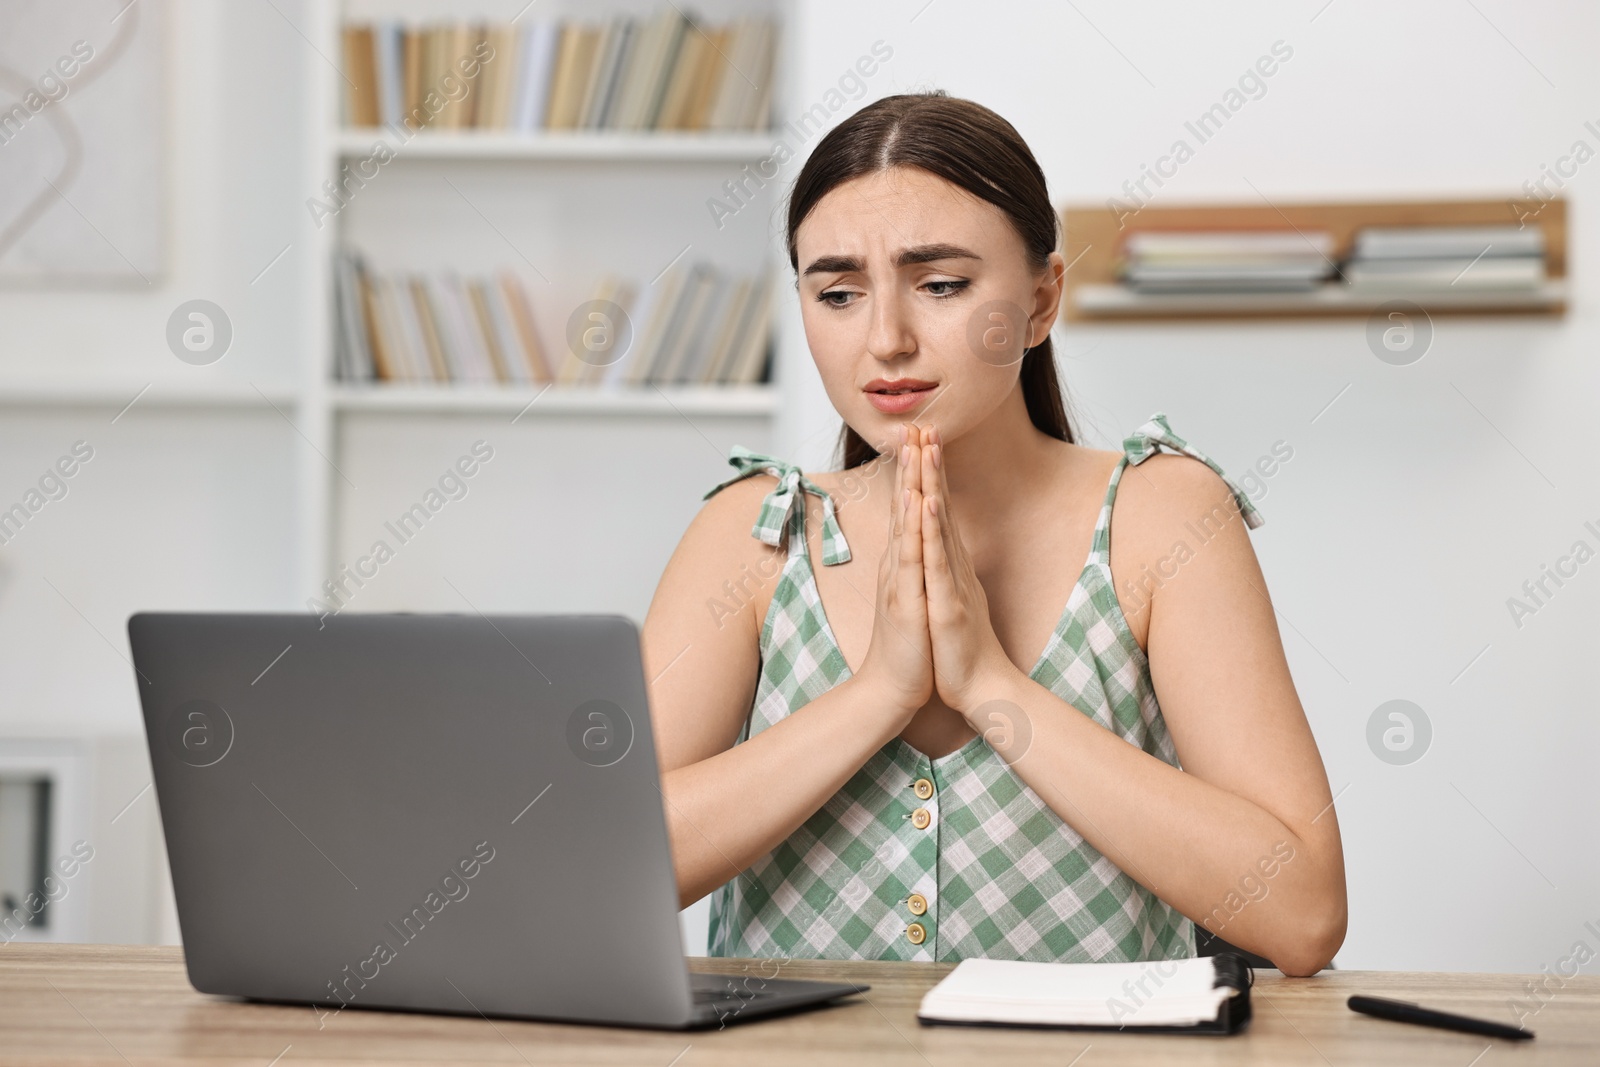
1404,1012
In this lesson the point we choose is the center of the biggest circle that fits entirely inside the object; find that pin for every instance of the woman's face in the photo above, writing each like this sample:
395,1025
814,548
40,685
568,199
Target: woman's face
918,302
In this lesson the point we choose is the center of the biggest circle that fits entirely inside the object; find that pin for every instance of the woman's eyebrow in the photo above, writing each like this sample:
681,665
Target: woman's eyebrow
833,265
929,253
904,258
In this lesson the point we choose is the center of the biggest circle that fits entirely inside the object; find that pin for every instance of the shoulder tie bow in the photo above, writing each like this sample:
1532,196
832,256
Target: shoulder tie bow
772,523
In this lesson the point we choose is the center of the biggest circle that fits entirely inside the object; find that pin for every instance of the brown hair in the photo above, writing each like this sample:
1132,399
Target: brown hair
969,146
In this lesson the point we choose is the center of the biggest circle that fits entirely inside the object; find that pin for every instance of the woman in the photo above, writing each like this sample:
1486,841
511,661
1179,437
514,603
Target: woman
903,773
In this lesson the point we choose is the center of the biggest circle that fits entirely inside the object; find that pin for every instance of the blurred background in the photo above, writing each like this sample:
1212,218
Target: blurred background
268,268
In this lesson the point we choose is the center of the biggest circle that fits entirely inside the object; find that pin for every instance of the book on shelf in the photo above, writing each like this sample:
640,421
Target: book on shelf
1226,245
353,353
361,99
1487,257
1505,272
600,337
1157,261
695,325
675,359
666,71
1461,242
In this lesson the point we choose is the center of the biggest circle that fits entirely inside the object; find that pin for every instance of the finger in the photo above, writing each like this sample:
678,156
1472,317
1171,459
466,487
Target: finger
955,548
929,474
910,562
937,579
910,597
896,510
910,617
887,562
939,473
939,552
915,449
935,550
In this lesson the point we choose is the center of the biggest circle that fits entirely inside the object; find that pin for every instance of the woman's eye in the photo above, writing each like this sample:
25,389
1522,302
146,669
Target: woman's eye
835,297
946,288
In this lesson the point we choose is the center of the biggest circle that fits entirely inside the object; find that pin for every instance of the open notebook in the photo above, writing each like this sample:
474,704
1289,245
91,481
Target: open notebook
1205,994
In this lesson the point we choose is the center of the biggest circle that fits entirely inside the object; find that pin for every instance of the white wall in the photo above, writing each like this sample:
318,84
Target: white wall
1406,517
141,525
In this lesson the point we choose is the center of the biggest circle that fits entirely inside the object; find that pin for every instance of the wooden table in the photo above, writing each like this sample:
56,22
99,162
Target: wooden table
132,1005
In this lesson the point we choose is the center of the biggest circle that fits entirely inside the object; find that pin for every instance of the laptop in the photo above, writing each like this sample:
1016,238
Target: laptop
444,813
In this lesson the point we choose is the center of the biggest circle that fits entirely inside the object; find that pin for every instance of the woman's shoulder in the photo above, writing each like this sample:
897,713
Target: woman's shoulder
739,524
1187,477
728,514
1170,483
719,564
1167,506
1174,483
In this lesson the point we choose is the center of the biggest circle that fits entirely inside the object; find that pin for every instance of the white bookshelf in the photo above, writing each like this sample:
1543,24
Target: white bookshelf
689,400
63,393
564,205
579,175
667,147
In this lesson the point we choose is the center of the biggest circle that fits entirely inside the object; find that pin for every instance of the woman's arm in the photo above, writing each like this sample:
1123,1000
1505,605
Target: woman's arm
726,804
1244,839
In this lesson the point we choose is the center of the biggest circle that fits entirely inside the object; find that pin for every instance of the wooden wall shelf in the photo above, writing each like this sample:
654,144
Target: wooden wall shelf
1093,236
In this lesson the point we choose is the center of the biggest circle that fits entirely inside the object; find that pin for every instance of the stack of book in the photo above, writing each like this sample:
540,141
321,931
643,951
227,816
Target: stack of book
1442,257
665,72
693,325
1156,261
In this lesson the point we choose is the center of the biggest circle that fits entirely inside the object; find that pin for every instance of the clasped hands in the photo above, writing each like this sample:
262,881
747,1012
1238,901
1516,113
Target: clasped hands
932,634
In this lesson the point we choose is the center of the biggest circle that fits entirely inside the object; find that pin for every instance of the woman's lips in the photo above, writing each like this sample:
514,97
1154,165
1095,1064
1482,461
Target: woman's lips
905,396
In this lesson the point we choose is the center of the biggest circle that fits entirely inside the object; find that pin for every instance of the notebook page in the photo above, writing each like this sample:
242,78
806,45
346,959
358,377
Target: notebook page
1151,993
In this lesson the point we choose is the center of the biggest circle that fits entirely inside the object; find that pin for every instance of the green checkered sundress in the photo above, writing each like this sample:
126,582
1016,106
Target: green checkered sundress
942,859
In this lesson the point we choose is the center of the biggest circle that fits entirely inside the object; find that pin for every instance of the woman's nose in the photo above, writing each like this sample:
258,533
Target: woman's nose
889,334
